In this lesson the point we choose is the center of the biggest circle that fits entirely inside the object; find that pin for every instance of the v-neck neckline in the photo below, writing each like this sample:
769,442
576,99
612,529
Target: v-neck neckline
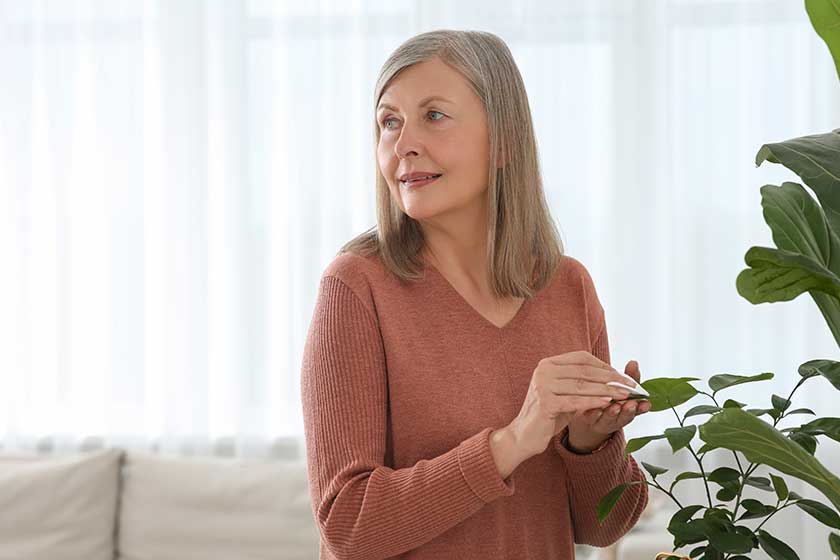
523,307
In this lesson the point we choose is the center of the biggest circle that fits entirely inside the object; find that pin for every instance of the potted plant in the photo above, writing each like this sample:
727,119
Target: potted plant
806,259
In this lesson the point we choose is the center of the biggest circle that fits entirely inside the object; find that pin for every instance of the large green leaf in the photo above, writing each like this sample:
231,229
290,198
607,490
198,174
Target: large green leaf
725,380
776,275
825,17
820,512
731,542
702,409
666,392
607,503
680,437
827,368
798,223
815,159
823,426
776,549
637,443
761,443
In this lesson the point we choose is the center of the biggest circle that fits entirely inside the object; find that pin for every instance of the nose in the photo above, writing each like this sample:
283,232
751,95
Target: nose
407,143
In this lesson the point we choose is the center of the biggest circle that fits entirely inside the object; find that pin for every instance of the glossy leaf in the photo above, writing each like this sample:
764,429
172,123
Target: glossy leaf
834,543
702,409
667,392
780,403
726,380
755,509
761,443
653,469
802,411
684,476
759,482
706,448
637,443
780,487
732,403
731,542
776,549
805,441
820,512
726,494
722,475
777,275
680,437
823,426
825,17
800,225
607,503
827,368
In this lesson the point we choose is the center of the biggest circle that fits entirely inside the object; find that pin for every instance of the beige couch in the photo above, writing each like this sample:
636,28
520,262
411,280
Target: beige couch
112,504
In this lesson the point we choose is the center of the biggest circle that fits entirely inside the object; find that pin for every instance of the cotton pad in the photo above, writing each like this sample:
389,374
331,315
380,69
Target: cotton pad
634,391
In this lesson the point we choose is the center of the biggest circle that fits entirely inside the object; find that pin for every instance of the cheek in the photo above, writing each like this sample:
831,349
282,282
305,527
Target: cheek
385,154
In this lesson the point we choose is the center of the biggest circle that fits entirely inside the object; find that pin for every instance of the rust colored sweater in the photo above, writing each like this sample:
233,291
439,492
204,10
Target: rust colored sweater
401,387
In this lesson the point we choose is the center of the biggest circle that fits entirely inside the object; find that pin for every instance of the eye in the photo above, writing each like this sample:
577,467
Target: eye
385,121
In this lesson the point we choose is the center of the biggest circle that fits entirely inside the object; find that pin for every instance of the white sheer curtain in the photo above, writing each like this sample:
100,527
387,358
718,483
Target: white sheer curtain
174,177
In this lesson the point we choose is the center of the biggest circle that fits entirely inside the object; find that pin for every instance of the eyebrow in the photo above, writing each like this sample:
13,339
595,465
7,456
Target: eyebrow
423,103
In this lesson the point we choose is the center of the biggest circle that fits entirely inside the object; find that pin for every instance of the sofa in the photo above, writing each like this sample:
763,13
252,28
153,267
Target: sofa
109,504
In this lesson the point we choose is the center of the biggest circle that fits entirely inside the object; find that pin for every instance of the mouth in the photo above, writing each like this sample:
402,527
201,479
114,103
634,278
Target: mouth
420,181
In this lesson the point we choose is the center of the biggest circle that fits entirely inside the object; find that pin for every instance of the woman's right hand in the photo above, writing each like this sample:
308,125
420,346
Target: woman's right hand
560,387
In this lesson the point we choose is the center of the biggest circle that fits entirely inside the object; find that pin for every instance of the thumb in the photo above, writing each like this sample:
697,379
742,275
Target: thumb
632,369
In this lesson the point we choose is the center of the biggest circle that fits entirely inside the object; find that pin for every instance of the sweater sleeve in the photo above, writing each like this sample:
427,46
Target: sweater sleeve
363,508
591,476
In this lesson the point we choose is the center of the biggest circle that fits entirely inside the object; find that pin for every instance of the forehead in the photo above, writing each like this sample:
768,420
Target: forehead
424,82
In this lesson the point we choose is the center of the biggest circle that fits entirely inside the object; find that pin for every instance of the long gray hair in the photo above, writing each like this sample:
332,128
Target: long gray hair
523,244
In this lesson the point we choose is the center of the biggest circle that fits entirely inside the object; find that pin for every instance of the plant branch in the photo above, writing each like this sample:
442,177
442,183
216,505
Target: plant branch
670,494
790,396
699,462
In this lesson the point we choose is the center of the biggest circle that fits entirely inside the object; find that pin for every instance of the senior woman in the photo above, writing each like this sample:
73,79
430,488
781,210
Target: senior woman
456,384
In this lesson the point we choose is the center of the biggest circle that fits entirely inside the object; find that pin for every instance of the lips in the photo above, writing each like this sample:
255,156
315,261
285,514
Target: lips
413,178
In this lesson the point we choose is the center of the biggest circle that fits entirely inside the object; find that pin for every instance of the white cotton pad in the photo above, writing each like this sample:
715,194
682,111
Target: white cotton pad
638,390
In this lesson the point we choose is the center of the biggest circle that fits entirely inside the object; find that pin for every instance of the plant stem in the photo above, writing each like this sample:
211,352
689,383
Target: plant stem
778,509
734,454
670,494
699,462
782,414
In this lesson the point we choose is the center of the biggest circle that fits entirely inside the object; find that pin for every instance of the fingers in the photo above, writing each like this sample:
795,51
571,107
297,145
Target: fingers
580,357
575,403
590,373
579,386
632,369
628,412
618,415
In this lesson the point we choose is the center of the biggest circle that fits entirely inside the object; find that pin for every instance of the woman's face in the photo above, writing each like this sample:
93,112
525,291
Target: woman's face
448,137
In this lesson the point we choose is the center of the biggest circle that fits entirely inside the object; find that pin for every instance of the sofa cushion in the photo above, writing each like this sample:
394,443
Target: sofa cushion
203,508
58,506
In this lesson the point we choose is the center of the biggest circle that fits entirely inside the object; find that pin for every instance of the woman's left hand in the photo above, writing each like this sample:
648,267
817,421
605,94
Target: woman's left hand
589,429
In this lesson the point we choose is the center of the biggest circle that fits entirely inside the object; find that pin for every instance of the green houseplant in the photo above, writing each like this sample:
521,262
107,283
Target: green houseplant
806,259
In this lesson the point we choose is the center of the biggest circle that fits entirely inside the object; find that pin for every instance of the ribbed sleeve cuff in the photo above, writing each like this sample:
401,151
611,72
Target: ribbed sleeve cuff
479,469
609,459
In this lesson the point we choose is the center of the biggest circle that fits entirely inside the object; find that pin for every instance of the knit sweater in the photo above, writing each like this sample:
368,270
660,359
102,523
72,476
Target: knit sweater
401,386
